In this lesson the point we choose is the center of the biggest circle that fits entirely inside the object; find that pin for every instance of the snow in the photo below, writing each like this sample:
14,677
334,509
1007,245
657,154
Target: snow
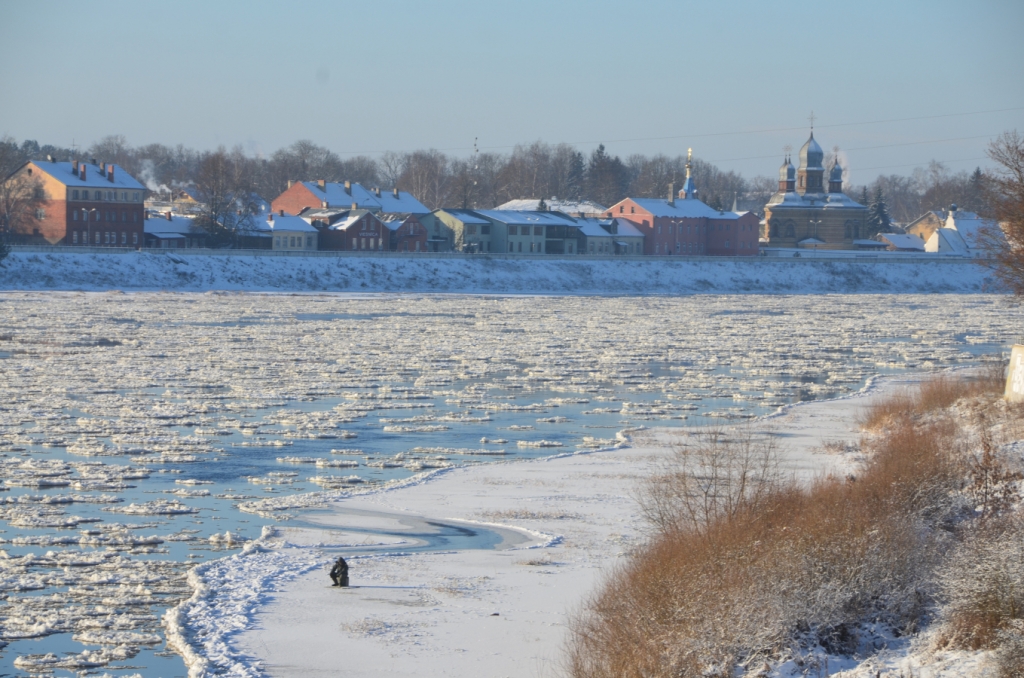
682,209
202,270
467,613
64,172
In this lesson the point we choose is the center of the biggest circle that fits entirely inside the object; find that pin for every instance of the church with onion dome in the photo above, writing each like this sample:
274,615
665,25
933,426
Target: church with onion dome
804,214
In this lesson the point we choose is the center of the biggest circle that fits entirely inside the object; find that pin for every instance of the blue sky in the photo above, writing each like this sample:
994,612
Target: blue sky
735,80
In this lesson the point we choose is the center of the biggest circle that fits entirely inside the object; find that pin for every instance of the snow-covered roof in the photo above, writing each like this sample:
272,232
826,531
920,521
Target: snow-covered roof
465,216
554,204
160,224
815,241
593,229
334,194
528,218
947,240
64,172
903,241
970,226
627,229
868,243
287,222
660,207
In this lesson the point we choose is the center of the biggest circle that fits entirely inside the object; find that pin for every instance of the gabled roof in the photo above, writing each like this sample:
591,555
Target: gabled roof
159,224
970,226
947,240
334,194
64,172
555,205
528,218
287,222
660,207
903,241
353,217
465,216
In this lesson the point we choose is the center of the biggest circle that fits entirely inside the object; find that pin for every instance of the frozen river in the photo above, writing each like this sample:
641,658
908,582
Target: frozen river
141,433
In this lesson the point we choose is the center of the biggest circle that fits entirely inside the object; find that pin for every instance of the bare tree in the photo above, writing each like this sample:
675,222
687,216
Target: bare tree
229,202
1005,194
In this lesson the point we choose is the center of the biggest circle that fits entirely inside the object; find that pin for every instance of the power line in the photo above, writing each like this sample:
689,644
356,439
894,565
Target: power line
868,148
723,134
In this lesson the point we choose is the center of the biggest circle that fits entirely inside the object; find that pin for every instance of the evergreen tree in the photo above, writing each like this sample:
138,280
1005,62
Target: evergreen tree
577,174
878,213
542,206
864,196
975,198
5,249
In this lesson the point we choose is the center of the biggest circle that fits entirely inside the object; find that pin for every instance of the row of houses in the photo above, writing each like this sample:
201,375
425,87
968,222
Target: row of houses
100,204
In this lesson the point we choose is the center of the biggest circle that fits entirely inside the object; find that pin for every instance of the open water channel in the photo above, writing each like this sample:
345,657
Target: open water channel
143,433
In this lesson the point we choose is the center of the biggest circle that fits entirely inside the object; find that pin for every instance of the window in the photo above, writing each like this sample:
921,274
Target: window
277,241
74,195
677,248
659,230
124,196
40,214
726,243
74,215
591,248
511,247
97,237
124,237
417,245
110,195
106,237
135,196
291,241
470,229
513,230
74,237
538,230
96,195
632,210
657,249
135,216
520,247
622,209
124,216
309,242
485,229
135,238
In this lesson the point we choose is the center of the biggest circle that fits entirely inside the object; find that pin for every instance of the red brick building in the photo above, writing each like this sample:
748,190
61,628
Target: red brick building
302,195
95,204
407,233
354,230
683,225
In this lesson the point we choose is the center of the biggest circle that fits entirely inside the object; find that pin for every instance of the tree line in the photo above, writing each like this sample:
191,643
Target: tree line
485,180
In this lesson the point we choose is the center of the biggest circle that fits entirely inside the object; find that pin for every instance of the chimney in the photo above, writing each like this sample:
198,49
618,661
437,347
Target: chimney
83,171
377,191
348,187
93,161
290,182
324,204
110,173
672,194
168,216
355,205
76,168
322,183
394,192
281,213
270,217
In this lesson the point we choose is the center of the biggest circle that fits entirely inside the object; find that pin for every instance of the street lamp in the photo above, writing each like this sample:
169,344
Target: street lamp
88,224
815,223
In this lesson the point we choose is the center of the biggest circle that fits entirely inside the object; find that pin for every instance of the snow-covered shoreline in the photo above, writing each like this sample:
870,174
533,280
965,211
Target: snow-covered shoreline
475,612
183,271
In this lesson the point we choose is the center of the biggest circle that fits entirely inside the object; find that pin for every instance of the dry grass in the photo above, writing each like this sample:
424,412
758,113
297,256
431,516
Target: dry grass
934,394
767,572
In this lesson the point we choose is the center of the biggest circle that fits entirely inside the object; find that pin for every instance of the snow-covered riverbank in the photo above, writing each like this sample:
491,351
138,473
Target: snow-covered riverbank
183,271
500,612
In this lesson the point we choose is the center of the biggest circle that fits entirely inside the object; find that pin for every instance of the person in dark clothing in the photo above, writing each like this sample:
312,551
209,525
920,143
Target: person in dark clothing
339,573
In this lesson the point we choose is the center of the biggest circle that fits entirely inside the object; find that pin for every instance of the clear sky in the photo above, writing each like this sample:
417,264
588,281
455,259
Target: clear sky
736,80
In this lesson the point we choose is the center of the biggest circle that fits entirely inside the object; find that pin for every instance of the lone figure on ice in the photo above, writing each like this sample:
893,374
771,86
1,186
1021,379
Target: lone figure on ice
339,573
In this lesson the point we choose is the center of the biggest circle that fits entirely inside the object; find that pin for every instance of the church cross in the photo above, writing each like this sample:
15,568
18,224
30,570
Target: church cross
811,117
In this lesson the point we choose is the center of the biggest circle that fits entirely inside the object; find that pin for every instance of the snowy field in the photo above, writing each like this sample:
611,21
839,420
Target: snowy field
145,436
186,271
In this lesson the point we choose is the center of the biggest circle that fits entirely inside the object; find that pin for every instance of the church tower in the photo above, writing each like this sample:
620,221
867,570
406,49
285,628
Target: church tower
810,176
689,191
835,179
787,177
